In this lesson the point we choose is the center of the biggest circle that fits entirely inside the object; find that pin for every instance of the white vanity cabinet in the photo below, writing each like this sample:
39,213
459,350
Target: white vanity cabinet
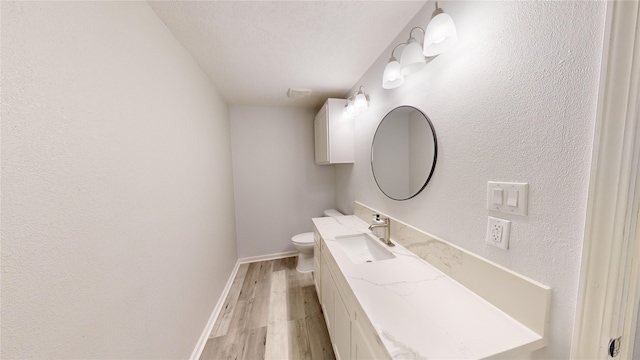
405,307
351,333
336,315
334,134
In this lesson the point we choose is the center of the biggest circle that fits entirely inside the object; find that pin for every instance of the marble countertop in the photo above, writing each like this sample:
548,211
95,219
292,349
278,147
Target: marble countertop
418,311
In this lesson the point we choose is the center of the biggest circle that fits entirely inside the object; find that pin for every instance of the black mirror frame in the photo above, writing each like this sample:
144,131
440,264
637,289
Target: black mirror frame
435,153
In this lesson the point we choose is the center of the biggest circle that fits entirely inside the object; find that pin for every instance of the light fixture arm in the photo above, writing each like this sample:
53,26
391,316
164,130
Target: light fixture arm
437,11
411,32
349,100
394,49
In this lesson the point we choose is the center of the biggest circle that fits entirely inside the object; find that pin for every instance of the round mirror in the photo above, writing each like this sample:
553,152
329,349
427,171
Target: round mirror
403,153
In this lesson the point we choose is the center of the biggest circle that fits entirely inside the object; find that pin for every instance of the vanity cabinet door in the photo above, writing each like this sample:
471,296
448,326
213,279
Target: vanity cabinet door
321,130
363,345
317,264
365,342
342,324
361,350
317,274
328,290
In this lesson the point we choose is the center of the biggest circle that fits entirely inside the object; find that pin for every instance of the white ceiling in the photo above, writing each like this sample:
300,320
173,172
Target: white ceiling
254,51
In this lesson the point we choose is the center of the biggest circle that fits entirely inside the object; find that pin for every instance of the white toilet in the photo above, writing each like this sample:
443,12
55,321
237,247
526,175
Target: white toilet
304,244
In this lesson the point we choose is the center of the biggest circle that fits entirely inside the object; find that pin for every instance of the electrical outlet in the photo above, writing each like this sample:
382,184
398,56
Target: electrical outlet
498,231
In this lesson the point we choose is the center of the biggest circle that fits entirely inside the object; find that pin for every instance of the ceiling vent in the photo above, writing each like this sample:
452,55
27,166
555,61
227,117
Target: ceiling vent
298,93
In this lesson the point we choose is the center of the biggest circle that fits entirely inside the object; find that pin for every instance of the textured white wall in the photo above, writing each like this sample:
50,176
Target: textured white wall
118,231
278,187
515,100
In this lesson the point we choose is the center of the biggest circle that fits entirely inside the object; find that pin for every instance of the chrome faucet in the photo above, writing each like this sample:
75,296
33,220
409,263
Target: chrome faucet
387,230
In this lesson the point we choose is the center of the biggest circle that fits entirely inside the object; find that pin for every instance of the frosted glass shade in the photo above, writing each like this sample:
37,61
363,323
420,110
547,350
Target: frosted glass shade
412,59
392,78
360,102
440,35
349,110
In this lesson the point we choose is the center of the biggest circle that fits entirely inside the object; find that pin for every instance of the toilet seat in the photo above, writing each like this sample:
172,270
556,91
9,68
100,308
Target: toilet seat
304,244
304,238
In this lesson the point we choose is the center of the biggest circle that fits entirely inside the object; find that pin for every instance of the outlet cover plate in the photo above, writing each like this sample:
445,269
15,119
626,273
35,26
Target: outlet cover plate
498,232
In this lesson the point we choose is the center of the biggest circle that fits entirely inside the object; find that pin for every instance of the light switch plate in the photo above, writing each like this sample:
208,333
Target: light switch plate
522,202
498,232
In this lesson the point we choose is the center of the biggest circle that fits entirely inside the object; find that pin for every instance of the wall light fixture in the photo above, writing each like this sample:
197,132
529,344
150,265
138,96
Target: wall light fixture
412,59
441,33
392,77
439,37
356,103
349,109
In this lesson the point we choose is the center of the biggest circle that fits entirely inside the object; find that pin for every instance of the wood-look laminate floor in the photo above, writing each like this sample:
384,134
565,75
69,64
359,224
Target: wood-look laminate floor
272,312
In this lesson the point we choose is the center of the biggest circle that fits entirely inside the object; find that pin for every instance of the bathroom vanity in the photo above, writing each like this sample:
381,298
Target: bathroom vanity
351,333
390,304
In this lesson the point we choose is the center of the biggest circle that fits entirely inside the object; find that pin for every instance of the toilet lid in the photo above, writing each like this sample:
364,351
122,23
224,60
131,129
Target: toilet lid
304,238
332,213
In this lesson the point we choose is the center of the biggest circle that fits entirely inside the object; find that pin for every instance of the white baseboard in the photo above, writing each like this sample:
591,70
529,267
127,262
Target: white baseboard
216,310
214,315
281,255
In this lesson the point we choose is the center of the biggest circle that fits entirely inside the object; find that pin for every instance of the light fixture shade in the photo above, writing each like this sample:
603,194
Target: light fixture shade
440,34
360,103
412,59
349,109
392,78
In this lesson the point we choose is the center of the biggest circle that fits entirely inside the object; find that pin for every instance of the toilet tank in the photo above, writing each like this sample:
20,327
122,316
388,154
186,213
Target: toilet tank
332,213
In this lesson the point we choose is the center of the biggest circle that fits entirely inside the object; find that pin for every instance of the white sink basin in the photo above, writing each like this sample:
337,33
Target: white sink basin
363,248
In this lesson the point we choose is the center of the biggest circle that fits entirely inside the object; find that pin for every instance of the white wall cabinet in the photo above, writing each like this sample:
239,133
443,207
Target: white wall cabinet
352,335
334,134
